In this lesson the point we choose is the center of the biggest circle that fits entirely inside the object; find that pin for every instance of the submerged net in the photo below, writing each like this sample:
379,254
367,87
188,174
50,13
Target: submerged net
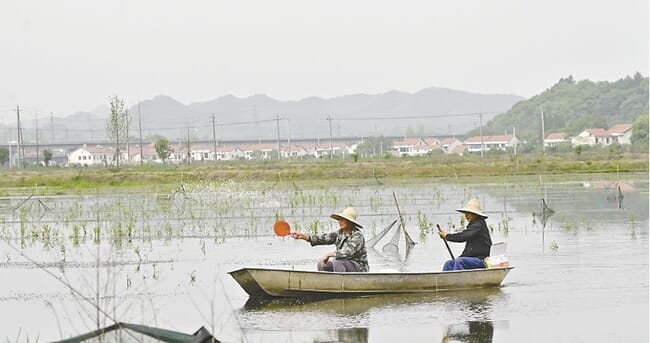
391,247
373,241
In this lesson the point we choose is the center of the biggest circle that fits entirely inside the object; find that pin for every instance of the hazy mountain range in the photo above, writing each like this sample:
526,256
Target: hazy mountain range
430,111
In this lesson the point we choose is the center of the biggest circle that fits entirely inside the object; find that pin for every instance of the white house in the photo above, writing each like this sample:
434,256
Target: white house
89,156
408,146
149,154
592,137
621,133
259,151
452,146
416,146
500,142
553,139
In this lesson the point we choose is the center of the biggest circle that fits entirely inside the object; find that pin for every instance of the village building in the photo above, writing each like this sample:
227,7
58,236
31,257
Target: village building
497,142
621,133
553,139
452,146
91,156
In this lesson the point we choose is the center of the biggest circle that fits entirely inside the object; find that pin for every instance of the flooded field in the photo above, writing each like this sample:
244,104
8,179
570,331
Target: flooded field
71,264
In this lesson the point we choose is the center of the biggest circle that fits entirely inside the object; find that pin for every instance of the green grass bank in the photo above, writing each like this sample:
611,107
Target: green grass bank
458,168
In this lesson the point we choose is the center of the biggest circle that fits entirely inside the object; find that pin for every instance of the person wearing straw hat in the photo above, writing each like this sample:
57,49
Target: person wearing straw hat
476,237
350,254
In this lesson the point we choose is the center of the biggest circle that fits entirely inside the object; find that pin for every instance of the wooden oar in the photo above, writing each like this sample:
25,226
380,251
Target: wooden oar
446,244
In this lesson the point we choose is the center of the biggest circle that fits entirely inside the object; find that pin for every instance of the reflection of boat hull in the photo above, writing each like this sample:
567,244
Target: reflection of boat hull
262,283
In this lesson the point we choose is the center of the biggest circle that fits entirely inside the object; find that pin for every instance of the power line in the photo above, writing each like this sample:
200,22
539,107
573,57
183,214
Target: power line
416,116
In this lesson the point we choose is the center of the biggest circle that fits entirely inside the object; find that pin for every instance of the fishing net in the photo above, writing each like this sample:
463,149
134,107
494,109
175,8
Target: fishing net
373,241
391,247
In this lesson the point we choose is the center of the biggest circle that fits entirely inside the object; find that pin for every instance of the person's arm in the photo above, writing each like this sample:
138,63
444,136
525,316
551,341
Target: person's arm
326,257
322,239
472,230
303,236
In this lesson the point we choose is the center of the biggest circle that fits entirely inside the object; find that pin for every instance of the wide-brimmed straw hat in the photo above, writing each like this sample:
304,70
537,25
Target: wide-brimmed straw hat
473,206
349,214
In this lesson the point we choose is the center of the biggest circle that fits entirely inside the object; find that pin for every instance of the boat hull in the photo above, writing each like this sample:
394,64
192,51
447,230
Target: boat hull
264,283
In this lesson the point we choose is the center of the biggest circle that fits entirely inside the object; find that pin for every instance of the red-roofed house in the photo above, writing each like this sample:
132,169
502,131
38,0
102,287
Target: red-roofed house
553,139
416,146
592,137
89,156
260,151
500,142
621,133
452,146
149,154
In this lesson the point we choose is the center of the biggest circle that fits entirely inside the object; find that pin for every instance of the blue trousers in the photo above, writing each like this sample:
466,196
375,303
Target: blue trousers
461,263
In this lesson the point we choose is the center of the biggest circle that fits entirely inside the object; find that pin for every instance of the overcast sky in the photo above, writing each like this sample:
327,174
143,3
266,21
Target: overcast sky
68,56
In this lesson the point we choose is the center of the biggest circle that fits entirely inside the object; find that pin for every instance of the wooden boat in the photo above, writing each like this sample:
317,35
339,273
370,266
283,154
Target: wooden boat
265,283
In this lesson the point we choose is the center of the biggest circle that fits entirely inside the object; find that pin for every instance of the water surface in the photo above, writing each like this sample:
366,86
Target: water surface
581,273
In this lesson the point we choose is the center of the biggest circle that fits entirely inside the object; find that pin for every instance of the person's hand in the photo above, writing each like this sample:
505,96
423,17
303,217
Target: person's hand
442,234
295,235
325,258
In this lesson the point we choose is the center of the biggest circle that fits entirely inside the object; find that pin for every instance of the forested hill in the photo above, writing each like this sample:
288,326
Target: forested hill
571,106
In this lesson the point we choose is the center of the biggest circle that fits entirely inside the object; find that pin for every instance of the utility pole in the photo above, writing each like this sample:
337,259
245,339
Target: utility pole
480,115
277,124
128,139
214,138
543,135
51,127
19,139
514,136
289,138
329,118
36,132
140,132
188,145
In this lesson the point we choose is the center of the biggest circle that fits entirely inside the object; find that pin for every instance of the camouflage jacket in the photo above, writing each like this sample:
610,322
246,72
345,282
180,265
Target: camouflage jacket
351,248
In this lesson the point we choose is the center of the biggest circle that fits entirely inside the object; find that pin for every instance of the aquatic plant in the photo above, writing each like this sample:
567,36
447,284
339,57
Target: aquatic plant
423,224
633,224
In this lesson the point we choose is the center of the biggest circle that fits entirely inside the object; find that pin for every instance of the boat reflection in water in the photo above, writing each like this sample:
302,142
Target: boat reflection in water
470,332
476,299
352,319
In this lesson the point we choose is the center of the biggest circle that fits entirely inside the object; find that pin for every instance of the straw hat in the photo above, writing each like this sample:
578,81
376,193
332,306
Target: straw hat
473,206
349,214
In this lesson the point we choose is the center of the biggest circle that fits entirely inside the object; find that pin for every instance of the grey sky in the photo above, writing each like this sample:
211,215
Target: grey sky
67,56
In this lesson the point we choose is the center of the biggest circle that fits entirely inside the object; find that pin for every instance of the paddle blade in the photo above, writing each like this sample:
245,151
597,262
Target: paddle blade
281,228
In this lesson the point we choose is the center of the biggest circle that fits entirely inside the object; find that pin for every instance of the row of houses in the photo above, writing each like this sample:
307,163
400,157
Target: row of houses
424,146
100,155
617,134
105,155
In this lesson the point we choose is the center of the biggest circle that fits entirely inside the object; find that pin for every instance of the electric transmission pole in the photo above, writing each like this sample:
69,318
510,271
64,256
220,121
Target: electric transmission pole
329,118
214,138
277,124
140,132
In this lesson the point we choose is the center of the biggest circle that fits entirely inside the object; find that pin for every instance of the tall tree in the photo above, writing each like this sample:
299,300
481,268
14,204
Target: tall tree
117,127
4,155
163,149
47,157
374,147
640,131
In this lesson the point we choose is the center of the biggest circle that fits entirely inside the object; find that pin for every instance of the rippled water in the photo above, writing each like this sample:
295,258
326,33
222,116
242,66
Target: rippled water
581,274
